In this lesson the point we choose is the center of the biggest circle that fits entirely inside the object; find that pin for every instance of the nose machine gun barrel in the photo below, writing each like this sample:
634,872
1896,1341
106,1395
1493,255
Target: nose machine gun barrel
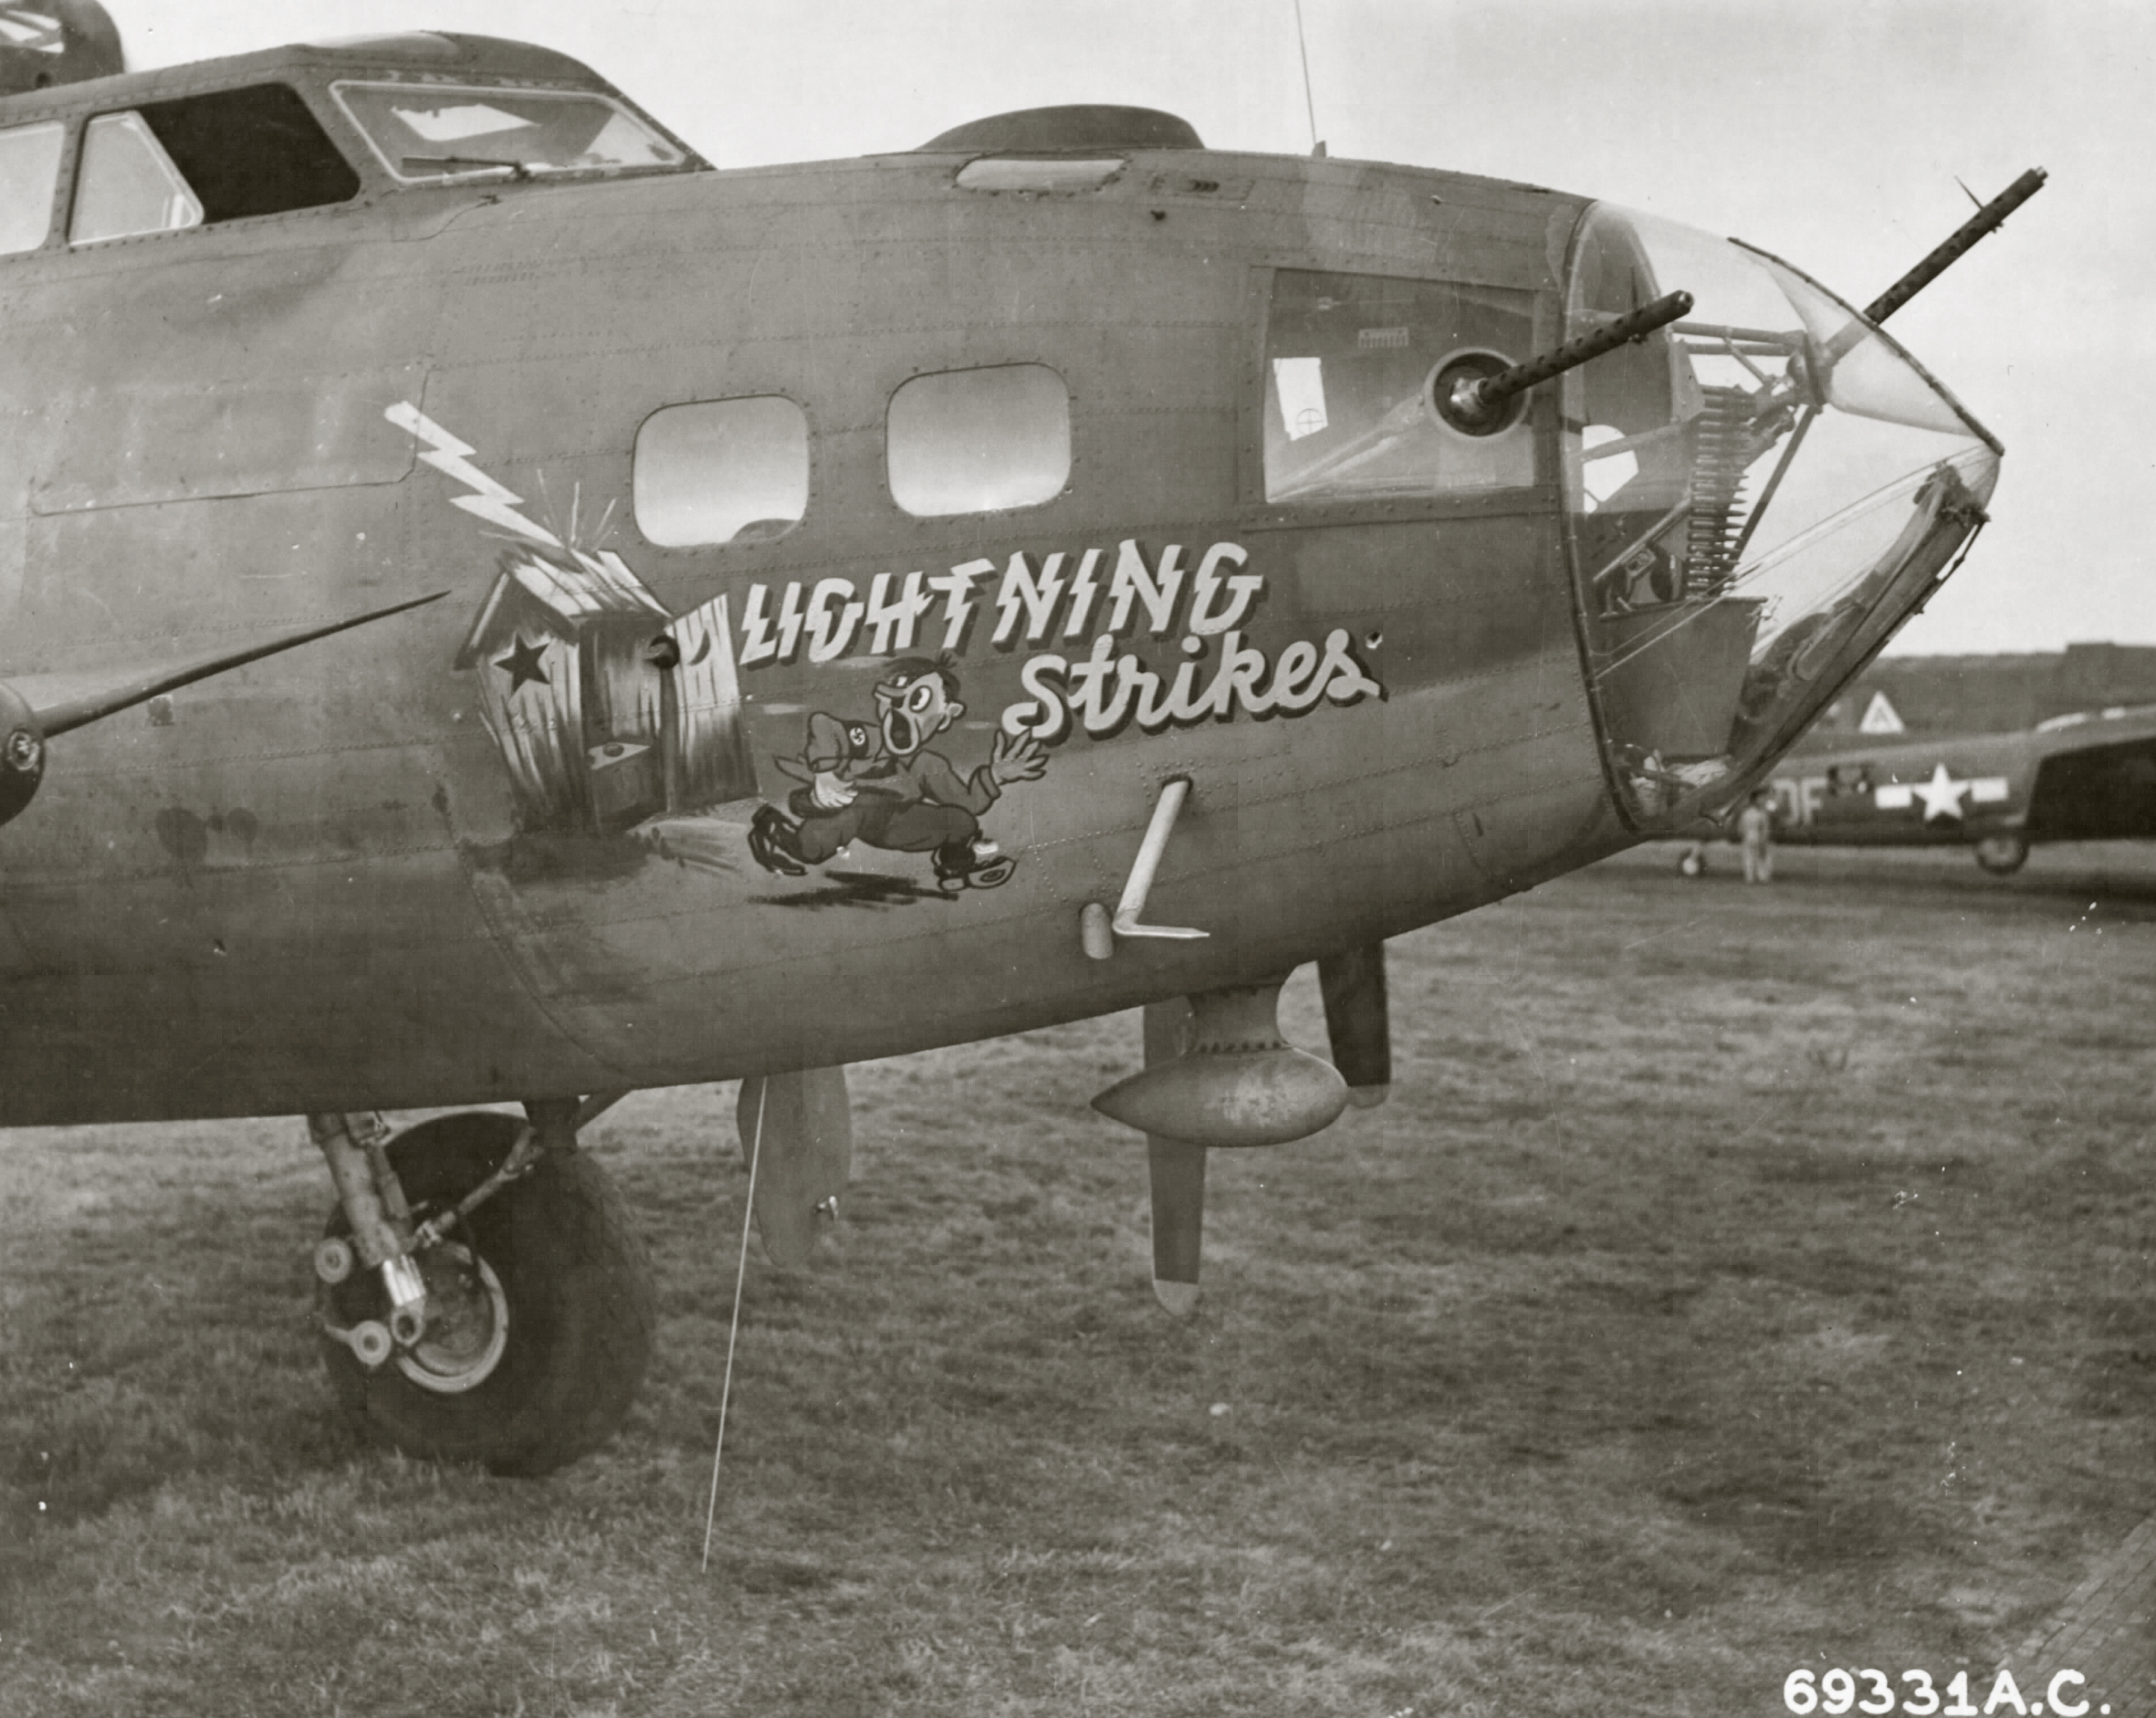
1472,398
1987,219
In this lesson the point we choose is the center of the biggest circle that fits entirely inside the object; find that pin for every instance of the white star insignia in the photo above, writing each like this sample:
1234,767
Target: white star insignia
1941,794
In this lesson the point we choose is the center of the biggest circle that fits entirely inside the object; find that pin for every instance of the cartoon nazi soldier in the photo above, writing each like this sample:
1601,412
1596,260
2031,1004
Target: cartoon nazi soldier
881,785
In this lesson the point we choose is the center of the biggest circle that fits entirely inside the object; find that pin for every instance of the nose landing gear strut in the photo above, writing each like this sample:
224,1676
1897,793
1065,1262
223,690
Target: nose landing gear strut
483,1296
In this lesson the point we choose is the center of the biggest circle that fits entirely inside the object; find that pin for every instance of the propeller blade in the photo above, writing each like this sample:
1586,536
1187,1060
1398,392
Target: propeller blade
798,1128
1178,1221
1358,1020
1178,1173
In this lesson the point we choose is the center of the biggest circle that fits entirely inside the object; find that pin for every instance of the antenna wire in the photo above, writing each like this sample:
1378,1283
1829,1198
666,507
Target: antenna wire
733,1333
1309,103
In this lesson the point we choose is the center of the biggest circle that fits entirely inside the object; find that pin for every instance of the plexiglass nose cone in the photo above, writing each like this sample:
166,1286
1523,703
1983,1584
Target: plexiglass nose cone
1758,495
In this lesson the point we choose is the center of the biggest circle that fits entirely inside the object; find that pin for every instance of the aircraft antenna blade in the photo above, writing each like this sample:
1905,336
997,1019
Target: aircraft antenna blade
1359,1021
80,712
807,1153
25,725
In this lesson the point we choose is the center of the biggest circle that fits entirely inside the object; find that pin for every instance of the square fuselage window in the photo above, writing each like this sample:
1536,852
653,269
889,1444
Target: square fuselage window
721,471
978,441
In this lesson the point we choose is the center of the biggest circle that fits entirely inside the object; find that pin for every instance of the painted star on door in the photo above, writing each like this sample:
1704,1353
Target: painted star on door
525,665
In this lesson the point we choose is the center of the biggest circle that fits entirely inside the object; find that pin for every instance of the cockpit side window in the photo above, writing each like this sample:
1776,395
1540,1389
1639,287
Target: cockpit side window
29,174
127,184
1351,361
253,151
220,157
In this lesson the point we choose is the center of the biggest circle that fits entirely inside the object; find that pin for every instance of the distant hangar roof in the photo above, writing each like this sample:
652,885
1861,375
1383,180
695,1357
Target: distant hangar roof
1990,695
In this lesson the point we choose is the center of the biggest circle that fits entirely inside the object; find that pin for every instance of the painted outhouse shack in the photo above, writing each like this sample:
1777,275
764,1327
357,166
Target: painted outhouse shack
596,734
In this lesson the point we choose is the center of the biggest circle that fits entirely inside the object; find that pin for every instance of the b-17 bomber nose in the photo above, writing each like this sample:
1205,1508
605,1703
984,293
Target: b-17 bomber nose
1758,493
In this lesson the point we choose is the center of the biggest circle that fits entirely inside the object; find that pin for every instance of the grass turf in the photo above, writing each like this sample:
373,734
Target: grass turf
1739,1279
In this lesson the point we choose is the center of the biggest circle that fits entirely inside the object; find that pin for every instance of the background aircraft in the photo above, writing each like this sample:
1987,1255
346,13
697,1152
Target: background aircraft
498,611
2087,777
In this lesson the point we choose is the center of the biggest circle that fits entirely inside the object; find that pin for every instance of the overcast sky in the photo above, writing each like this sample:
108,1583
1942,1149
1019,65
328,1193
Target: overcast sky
1828,132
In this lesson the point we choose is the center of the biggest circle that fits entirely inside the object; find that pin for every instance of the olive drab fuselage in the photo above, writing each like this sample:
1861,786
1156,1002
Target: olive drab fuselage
497,846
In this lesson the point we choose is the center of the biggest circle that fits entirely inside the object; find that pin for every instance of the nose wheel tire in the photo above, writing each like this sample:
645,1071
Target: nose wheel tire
540,1310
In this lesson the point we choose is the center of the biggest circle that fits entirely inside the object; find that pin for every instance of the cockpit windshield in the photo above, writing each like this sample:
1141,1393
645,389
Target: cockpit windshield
430,133
1758,495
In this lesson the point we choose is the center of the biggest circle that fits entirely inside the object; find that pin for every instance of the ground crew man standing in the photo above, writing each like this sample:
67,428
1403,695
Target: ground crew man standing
1755,827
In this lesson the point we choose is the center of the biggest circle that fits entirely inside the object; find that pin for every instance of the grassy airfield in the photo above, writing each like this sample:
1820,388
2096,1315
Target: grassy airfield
1739,1279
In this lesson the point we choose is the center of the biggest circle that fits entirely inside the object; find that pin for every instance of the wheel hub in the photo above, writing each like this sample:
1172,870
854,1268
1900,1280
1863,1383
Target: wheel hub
467,1329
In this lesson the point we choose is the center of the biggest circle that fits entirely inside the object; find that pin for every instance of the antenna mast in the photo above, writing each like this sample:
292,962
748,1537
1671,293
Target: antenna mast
1310,106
